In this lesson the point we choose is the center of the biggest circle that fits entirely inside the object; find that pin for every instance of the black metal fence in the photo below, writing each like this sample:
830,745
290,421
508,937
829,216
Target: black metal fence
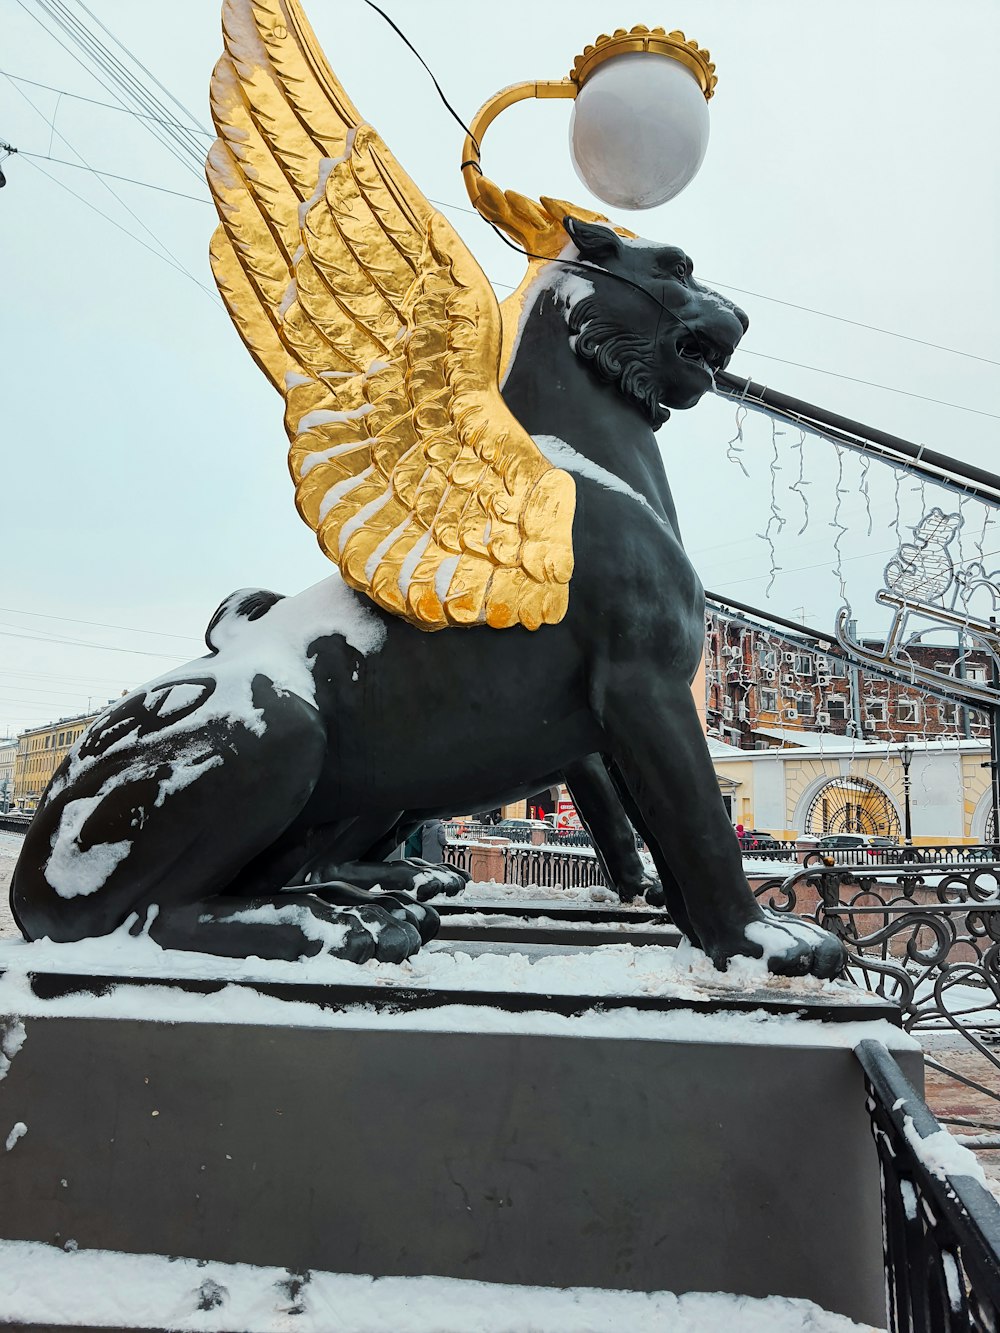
470,830
940,1226
545,867
941,853
926,936
772,850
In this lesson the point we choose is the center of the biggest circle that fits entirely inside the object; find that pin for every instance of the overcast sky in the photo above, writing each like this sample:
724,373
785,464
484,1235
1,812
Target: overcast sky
852,169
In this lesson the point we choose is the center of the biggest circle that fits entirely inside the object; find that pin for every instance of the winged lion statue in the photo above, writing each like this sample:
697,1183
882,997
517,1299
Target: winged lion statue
511,600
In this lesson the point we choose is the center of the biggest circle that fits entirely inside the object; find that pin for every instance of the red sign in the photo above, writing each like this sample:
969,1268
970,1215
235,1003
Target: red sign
566,816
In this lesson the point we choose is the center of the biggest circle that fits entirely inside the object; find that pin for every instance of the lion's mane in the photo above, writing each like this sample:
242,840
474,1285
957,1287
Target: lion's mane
620,357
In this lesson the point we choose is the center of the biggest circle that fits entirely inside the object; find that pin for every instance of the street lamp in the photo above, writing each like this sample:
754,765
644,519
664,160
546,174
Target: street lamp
906,758
639,128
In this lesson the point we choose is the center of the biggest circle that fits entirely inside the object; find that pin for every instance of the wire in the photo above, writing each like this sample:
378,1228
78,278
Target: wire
131,235
98,624
471,212
168,255
72,147
440,91
85,643
856,323
664,308
149,74
108,106
127,84
129,180
870,383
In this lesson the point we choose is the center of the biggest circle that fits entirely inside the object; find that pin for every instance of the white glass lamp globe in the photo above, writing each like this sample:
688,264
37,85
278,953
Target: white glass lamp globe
639,130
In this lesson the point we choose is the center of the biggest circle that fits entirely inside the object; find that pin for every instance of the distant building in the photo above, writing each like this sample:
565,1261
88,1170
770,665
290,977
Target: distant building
8,751
40,751
759,689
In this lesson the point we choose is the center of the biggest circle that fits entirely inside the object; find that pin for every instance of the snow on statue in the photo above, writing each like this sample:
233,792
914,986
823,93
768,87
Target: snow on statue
513,602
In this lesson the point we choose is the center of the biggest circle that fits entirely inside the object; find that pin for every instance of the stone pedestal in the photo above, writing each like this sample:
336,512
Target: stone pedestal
547,1150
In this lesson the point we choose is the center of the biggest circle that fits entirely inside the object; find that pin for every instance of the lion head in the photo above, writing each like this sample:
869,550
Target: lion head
647,326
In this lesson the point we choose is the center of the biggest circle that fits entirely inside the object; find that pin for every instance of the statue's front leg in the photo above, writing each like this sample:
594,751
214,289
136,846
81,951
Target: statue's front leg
658,745
600,807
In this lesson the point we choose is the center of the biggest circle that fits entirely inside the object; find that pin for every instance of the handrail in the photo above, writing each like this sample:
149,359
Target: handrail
940,1225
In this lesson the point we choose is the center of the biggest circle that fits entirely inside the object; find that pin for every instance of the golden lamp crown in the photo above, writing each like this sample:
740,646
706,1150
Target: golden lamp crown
656,41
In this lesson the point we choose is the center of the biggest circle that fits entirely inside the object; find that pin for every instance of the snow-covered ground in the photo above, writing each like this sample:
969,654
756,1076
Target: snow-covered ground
56,1287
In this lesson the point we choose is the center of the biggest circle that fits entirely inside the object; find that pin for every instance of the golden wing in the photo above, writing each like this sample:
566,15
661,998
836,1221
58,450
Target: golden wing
366,310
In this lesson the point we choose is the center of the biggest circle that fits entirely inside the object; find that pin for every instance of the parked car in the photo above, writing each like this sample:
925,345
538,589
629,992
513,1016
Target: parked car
754,840
518,830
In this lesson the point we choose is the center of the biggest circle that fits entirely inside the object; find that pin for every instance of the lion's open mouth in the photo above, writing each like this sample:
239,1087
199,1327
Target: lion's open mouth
701,353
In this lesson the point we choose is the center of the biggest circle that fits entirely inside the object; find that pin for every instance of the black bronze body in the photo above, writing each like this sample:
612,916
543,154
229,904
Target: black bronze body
231,860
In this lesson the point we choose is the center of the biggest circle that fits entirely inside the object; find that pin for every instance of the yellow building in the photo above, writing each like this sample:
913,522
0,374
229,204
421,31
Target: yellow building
40,751
831,784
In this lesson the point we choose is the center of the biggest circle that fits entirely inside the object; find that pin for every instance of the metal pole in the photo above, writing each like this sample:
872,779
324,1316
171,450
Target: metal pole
995,746
906,758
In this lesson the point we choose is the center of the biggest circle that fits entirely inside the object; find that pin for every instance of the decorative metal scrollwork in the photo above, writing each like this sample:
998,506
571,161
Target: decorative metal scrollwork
923,582
927,938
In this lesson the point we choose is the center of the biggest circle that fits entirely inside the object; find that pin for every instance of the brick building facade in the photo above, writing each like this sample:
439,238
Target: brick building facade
757,685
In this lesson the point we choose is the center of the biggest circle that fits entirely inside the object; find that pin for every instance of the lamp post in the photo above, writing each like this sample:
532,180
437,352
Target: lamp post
640,120
906,758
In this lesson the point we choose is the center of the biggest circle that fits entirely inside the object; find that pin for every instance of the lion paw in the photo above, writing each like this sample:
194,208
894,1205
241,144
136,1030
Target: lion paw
791,946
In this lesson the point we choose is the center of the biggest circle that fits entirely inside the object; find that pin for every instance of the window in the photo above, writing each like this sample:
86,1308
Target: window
837,708
977,673
768,658
948,713
875,710
768,701
803,665
907,710
805,705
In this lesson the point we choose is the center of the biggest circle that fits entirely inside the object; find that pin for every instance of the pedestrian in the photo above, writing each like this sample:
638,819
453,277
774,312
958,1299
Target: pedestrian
434,841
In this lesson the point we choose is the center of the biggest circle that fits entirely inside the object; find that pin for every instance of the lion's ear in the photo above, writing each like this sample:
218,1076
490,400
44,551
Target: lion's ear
593,241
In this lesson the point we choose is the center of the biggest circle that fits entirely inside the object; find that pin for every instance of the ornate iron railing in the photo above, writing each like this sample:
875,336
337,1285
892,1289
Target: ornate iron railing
469,830
927,937
779,850
940,1226
544,867
933,854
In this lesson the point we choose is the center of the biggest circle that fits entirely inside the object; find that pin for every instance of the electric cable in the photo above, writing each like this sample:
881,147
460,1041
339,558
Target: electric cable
471,212
107,106
126,83
99,624
149,74
666,309
111,175
6,633
124,230
170,256
836,374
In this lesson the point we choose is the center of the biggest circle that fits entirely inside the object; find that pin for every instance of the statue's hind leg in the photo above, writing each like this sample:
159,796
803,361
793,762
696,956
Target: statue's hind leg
160,812
286,926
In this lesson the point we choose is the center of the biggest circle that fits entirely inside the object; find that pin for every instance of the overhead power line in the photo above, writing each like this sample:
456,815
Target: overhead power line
98,624
855,323
168,256
111,175
108,106
179,140
86,643
471,212
853,379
